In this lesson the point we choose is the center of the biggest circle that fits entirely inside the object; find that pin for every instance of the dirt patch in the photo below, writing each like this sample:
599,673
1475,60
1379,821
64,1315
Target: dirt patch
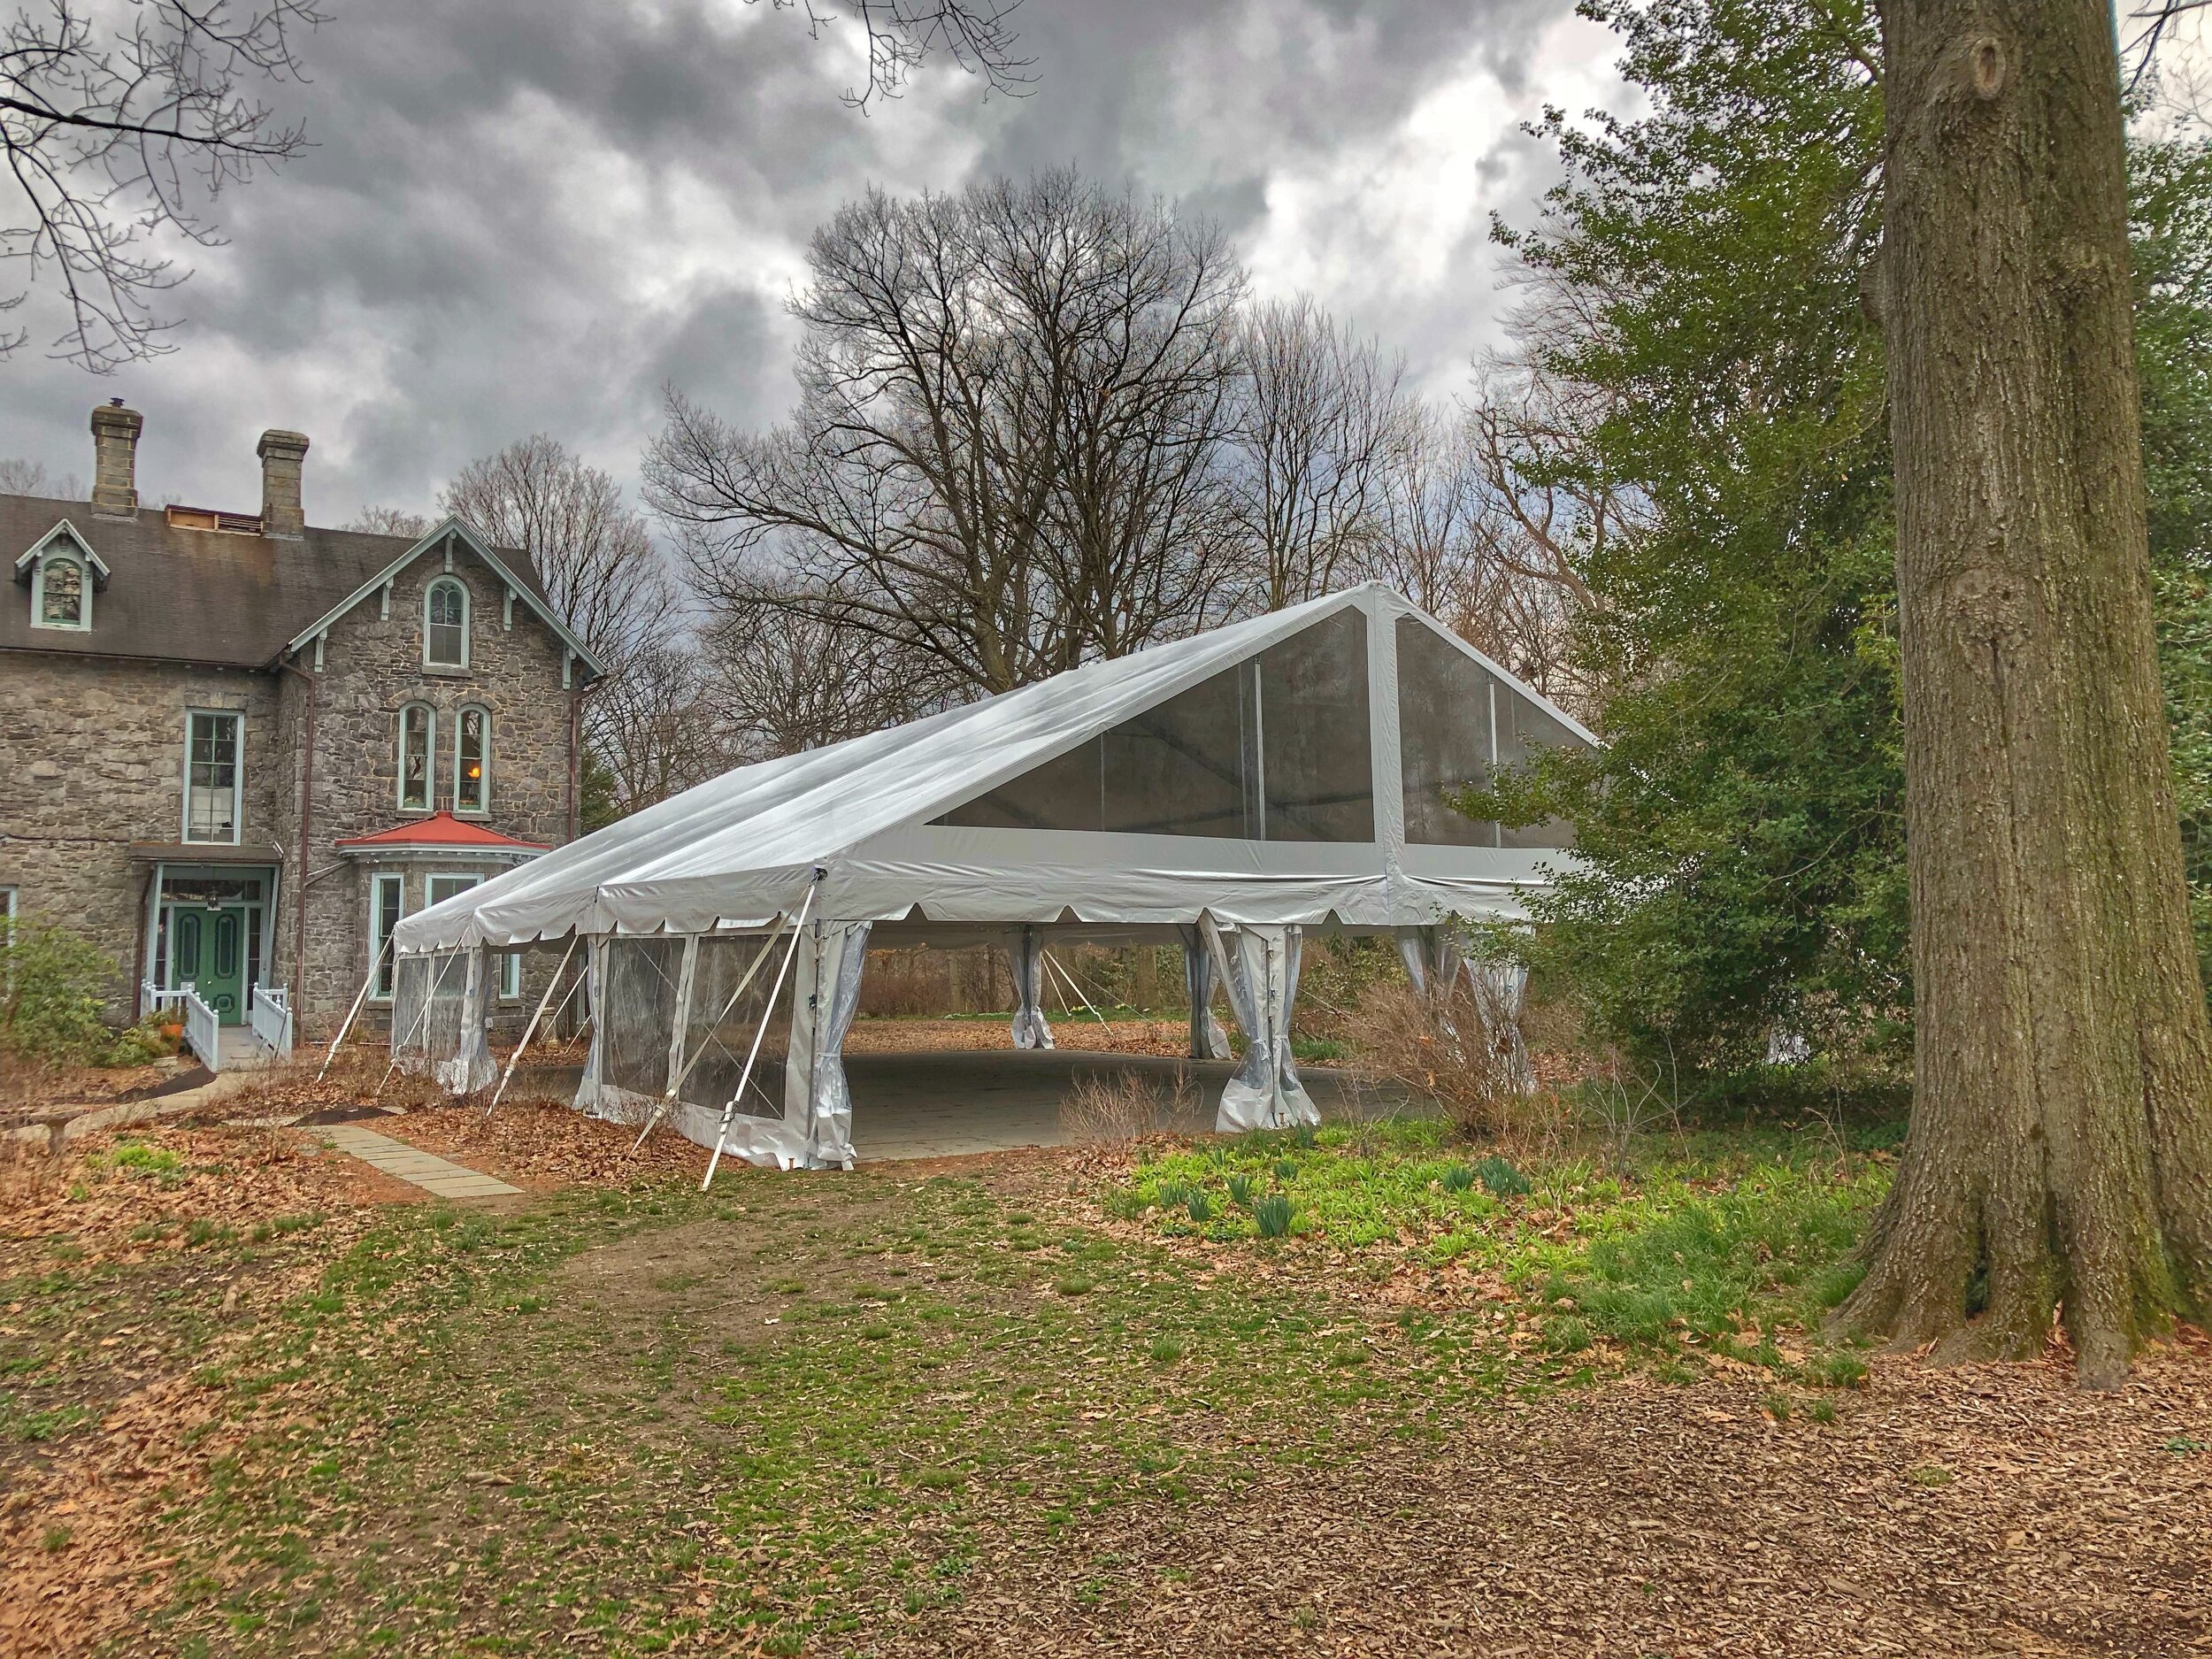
1996,1510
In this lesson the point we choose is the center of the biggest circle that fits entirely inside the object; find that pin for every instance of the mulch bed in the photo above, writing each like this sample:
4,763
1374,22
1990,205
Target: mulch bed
1984,1511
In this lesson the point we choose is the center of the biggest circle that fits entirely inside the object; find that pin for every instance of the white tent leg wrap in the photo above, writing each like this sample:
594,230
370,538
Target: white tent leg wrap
1026,954
818,1103
471,1067
1259,965
1208,1040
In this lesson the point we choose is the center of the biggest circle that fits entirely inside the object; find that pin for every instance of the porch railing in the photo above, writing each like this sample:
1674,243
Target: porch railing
271,1012
152,998
203,1031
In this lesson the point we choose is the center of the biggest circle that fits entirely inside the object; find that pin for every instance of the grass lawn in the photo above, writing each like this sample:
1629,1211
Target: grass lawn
834,1413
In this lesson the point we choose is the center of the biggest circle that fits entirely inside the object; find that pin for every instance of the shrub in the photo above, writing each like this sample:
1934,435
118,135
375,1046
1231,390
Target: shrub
1122,1106
1273,1215
53,984
1453,1049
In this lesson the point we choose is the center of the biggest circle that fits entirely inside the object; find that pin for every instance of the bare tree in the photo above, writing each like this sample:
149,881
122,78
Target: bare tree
122,122
783,680
1012,405
1318,416
390,522
19,477
608,582
977,35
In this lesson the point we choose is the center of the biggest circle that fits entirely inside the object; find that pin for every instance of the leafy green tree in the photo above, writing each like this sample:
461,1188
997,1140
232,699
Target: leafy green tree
1707,266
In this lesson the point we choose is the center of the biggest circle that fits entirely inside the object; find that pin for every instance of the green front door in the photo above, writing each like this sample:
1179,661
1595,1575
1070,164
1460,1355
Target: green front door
208,951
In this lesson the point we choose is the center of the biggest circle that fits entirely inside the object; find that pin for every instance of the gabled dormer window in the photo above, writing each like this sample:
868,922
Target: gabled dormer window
62,573
445,625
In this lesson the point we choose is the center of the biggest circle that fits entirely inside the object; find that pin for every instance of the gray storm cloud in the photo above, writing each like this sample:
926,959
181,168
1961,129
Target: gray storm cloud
529,215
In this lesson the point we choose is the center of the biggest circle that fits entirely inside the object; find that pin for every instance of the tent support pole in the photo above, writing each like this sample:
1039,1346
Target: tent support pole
531,1030
354,1012
668,1101
722,1135
1070,978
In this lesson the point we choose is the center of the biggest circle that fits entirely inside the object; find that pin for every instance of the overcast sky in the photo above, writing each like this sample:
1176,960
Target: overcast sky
529,215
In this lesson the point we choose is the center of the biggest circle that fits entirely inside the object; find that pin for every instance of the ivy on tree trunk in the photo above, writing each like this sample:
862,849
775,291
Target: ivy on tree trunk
2060,1161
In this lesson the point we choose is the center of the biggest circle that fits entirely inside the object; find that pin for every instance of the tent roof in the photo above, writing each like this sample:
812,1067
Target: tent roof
855,816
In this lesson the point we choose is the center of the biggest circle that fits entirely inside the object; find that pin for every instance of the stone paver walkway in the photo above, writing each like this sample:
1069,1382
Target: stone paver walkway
411,1164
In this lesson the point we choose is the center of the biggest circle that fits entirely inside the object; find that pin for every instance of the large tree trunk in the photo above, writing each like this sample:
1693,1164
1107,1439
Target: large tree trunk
2061,1152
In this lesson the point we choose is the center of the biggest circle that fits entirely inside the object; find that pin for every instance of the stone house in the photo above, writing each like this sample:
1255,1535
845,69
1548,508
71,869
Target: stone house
241,747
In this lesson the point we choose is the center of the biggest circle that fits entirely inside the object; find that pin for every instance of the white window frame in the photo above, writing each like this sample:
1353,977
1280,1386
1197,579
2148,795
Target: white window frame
428,594
386,971
237,717
510,961
484,796
430,759
69,554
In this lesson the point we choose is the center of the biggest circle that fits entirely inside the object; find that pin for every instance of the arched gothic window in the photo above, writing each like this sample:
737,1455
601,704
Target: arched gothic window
445,631
417,746
472,761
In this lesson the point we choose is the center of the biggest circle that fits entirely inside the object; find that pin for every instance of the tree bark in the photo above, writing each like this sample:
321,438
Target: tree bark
2060,1160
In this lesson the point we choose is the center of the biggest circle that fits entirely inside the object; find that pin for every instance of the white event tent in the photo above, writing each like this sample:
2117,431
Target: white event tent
1230,791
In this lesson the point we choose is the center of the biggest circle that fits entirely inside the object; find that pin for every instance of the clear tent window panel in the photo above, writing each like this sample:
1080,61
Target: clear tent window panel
1317,765
1445,736
640,1015
719,1032
1524,730
1206,762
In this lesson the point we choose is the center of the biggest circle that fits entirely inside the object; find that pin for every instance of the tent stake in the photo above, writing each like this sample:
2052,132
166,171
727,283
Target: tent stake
722,1135
531,1030
668,1101
354,1012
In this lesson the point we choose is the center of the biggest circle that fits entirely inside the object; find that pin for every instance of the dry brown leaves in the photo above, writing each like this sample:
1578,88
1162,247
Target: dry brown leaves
1995,1510
541,1144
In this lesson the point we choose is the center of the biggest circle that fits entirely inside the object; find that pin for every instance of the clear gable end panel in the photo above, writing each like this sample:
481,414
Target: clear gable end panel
1275,748
1458,725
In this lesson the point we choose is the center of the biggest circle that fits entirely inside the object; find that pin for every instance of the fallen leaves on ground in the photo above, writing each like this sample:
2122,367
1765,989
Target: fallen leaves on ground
537,1144
1989,1509
1170,1038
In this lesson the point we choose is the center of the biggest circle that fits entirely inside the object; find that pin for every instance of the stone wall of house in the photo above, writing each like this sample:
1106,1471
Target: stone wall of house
96,754
371,668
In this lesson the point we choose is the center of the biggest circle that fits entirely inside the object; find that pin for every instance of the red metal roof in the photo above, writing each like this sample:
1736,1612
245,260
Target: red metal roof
442,829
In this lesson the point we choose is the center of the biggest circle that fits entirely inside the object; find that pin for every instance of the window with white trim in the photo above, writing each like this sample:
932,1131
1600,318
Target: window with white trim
212,776
445,623
61,590
417,754
472,760
387,903
443,888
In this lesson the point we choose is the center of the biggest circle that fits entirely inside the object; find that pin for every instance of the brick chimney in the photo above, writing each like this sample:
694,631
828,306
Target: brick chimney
115,460
281,454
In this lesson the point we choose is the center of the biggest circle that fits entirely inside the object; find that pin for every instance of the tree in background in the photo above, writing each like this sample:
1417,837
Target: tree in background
1012,400
1713,392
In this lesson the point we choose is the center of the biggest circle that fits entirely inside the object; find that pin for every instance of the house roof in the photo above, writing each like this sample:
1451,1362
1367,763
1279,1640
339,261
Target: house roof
442,830
862,820
176,594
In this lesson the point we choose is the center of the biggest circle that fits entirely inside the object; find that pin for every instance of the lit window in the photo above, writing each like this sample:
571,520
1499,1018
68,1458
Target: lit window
417,743
210,781
472,761
445,639
386,900
63,598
